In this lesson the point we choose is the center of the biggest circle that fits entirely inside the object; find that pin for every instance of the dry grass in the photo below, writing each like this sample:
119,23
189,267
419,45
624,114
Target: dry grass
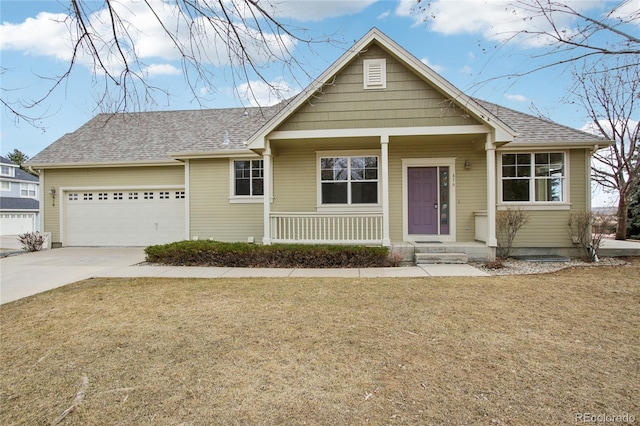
496,350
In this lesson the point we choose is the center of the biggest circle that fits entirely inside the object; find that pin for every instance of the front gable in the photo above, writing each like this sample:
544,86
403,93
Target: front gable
410,99
400,98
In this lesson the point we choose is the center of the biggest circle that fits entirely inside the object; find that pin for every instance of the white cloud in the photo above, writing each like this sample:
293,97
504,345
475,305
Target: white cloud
51,35
315,10
592,128
466,70
405,7
516,97
154,70
384,15
499,20
260,93
629,11
436,68
46,34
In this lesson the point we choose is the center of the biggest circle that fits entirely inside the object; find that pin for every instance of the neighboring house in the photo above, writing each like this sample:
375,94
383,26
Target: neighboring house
378,150
19,204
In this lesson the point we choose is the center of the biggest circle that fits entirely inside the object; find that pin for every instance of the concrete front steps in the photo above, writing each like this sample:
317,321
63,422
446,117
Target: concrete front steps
443,253
449,258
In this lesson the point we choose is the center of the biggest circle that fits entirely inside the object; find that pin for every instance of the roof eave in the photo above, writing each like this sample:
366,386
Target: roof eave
593,145
74,165
228,153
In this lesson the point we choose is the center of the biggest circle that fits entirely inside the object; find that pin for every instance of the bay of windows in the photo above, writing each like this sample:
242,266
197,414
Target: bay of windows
349,180
533,177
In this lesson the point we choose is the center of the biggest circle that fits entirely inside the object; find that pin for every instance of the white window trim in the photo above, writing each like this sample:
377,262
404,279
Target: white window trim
29,185
8,188
11,173
367,65
565,204
242,199
347,207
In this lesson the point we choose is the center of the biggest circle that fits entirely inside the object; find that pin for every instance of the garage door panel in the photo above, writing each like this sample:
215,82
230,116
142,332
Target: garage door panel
16,223
131,218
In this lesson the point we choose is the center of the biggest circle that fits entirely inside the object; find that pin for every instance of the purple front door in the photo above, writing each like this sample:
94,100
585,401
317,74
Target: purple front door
423,200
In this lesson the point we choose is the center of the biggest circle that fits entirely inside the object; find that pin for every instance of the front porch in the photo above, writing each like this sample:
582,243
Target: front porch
367,229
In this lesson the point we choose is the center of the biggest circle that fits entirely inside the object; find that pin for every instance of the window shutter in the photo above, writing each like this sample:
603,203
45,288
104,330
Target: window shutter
375,74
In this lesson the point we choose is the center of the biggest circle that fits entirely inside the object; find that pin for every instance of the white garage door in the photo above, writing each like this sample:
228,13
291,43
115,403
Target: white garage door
124,218
16,223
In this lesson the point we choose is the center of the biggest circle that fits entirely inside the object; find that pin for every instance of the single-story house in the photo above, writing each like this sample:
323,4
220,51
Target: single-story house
379,149
19,205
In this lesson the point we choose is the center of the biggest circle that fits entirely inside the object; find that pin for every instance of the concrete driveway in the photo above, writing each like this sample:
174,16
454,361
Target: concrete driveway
31,273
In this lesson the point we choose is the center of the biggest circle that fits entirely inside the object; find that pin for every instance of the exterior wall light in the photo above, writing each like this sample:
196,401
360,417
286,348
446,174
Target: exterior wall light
52,192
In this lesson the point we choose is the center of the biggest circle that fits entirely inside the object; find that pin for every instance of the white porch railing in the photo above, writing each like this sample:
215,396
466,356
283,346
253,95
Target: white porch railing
351,228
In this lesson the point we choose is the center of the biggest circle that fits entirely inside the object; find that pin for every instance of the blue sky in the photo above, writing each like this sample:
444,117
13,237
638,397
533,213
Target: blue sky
461,40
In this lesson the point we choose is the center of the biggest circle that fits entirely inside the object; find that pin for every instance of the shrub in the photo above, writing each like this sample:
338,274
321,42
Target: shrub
494,264
216,253
586,230
508,223
32,241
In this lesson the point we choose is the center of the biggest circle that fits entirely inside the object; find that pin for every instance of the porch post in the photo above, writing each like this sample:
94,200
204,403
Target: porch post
384,164
266,170
491,191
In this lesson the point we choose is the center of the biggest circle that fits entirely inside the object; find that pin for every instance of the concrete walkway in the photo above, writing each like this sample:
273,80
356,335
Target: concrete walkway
31,273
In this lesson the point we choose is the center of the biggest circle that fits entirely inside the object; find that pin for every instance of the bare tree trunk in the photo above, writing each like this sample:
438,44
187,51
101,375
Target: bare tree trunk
623,211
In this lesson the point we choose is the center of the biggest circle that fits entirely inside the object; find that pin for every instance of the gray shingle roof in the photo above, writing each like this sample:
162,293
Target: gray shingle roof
13,203
20,175
24,176
537,130
149,136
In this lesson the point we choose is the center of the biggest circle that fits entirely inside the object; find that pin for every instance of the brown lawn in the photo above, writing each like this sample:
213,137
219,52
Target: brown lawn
514,350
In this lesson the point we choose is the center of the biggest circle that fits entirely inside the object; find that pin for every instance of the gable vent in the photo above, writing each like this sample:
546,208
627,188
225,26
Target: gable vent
375,73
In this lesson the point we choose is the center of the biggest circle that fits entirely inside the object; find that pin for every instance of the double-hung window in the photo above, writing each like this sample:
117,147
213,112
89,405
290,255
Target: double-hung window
533,177
349,180
7,171
28,190
248,178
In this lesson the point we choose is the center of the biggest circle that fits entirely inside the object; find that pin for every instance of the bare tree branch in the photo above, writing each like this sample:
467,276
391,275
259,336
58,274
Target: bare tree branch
610,99
210,38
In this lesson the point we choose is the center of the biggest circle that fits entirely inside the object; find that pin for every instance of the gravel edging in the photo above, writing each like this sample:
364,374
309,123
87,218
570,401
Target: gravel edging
523,267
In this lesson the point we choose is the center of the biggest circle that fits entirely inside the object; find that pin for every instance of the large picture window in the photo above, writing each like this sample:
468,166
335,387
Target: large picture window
533,177
349,180
248,177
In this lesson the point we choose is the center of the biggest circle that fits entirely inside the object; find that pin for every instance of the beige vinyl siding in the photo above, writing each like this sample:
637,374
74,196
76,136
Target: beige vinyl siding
211,213
470,185
295,182
548,228
99,177
407,101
